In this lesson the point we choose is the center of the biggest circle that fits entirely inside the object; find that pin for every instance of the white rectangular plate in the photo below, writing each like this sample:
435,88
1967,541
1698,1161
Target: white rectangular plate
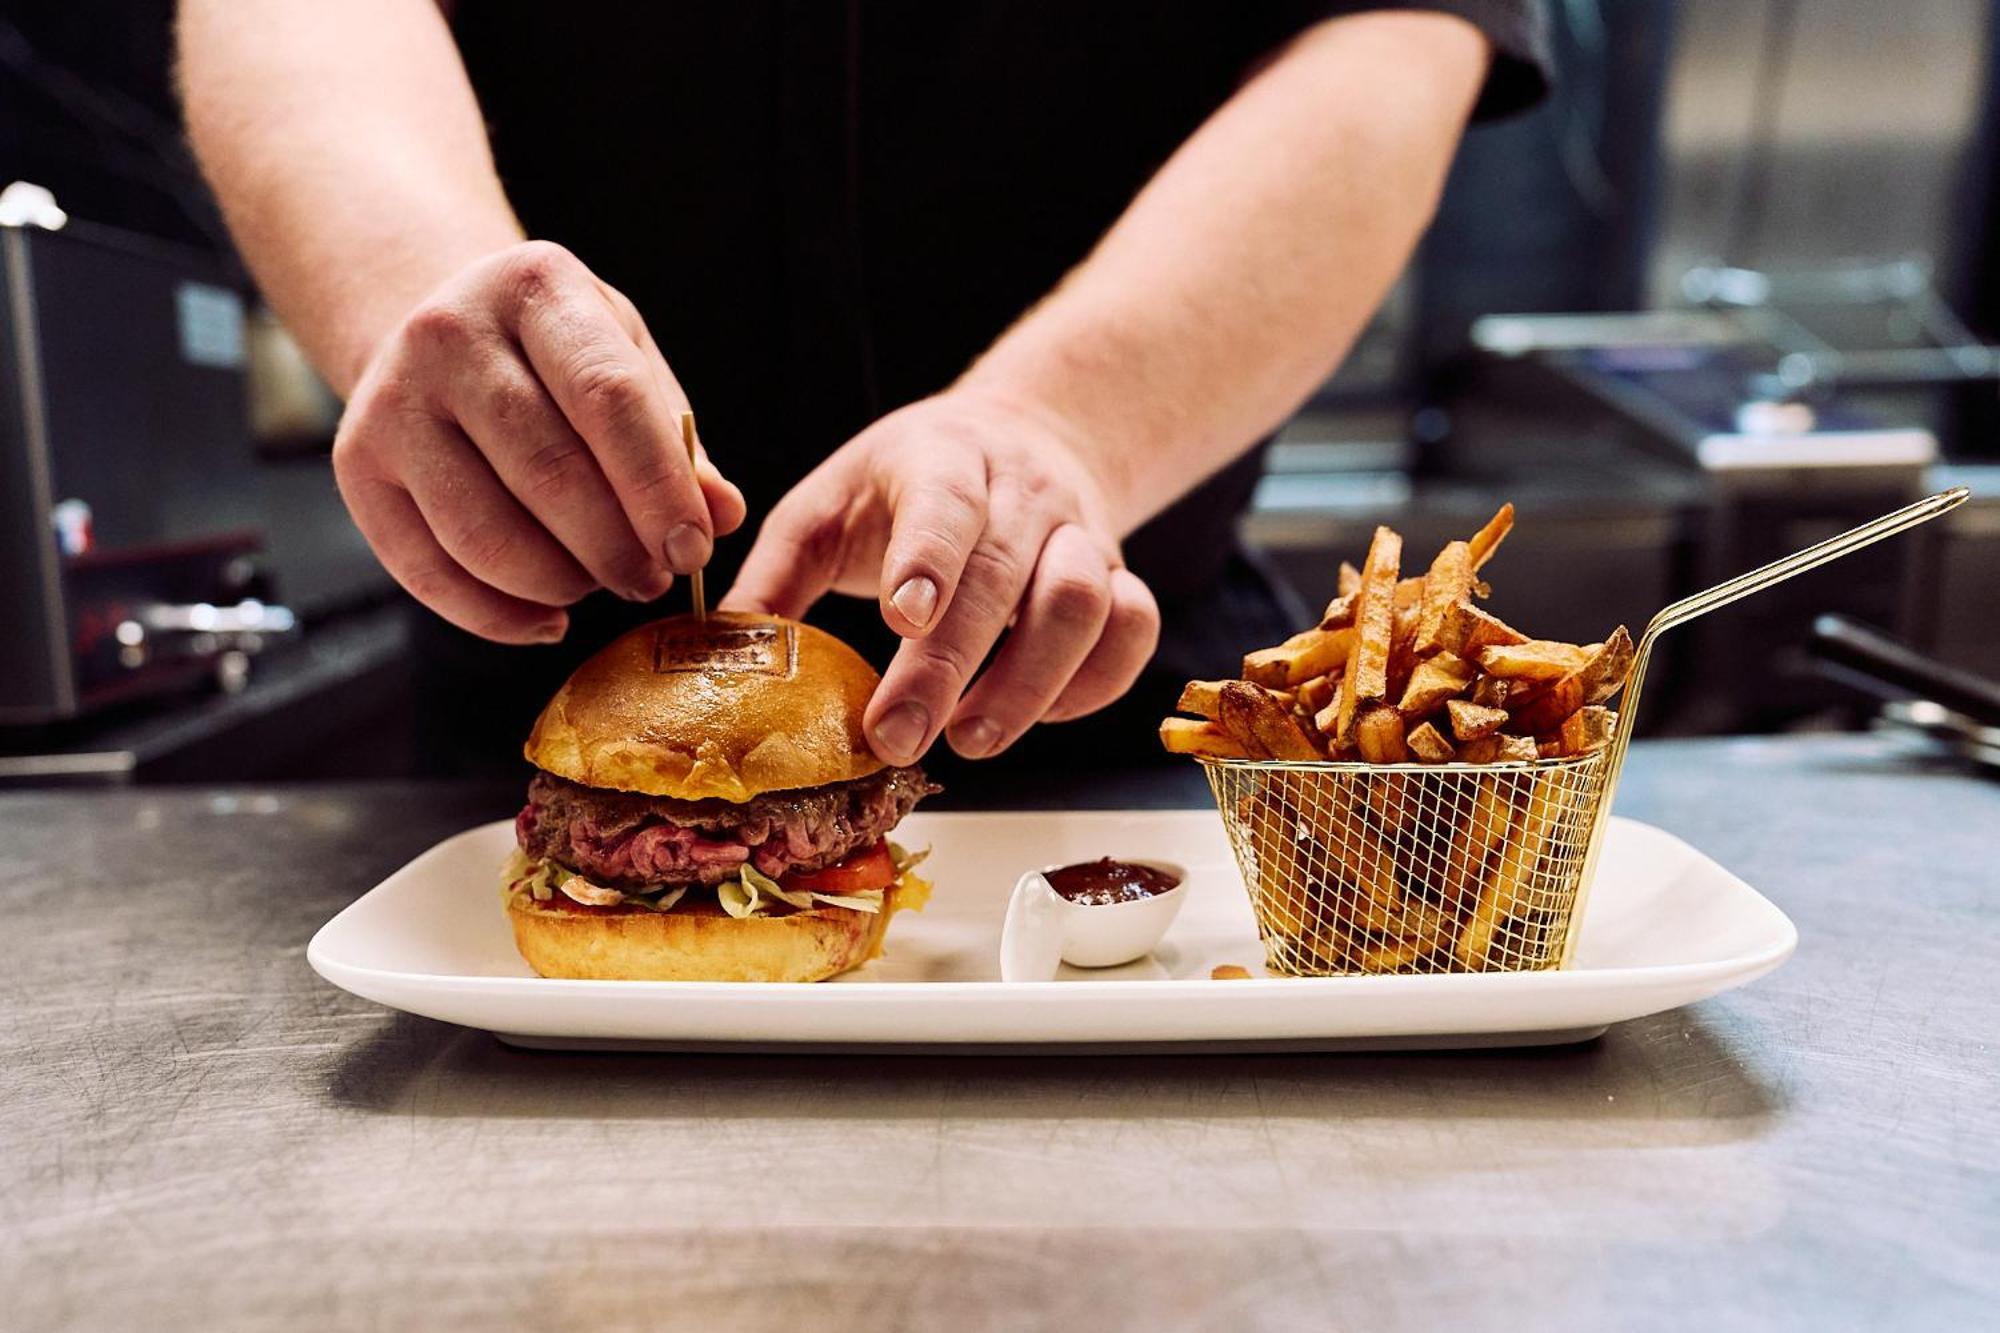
1665,926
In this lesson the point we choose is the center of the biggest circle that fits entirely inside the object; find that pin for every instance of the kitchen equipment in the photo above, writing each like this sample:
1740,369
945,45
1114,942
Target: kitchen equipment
1668,927
1959,709
130,539
1497,858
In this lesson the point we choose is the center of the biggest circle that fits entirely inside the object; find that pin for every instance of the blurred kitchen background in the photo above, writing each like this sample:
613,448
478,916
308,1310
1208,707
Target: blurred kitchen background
1733,289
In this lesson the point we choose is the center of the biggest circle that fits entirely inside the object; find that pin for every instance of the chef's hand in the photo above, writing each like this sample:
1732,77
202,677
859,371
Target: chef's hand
964,514
516,442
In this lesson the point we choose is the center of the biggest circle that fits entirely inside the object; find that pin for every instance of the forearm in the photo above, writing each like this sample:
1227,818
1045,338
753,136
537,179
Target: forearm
1245,269
347,150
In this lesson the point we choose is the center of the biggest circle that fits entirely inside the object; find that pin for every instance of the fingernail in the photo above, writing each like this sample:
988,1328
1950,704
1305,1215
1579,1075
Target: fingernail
901,731
917,600
550,631
975,738
687,548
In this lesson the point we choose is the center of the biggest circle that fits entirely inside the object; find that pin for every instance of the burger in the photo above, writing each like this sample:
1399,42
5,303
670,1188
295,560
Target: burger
705,808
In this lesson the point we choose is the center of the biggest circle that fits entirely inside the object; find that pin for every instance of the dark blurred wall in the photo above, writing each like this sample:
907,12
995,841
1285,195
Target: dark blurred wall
1556,210
87,109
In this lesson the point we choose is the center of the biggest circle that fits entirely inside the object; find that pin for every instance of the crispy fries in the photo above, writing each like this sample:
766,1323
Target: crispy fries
1182,735
1300,658
1487,692
1262,723
1429,746
1537,659
1436,680
1378,734
1375,617
1447,584
1470,721
1406,865
1487,540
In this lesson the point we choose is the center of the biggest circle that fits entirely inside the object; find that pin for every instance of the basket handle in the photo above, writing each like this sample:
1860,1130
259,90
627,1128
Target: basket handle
1712,599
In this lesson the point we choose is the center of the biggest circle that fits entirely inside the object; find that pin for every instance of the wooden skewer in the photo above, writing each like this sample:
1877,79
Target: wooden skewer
694,579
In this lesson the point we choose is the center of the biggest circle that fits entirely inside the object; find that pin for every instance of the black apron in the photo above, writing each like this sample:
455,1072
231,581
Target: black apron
826,210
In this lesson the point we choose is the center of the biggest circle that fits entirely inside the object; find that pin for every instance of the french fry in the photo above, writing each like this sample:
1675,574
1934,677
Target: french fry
1609,670
1389,802
1511,881
1263,722
1375,617
1603,673
1282,901
1298,659
1480,750
1469,628
1402,651
1488,692
1429,746
1487,540
1185,735
1349,579
1445,586
1378,734
1340,736
1588,728
1470,721
1203,698
1537,659
1472,843
1316,693
1498,749
1417,929
1435,680
1339,613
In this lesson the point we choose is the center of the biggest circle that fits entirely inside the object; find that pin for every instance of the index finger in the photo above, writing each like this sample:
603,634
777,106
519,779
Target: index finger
602,381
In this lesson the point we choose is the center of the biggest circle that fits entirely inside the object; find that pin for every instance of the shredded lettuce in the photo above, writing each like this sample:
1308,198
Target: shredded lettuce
751,893
869,902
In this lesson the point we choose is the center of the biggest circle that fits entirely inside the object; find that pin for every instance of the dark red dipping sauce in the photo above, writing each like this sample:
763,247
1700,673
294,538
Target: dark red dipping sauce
1104,881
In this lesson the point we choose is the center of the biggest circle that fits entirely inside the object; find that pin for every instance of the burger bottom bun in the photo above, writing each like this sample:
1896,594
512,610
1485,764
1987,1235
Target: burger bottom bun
697,941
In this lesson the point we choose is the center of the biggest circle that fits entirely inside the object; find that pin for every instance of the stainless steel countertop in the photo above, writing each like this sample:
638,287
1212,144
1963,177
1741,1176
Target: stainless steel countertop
199,1133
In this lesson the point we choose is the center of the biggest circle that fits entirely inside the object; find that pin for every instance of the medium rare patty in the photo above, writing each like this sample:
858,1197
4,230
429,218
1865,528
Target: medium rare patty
629,840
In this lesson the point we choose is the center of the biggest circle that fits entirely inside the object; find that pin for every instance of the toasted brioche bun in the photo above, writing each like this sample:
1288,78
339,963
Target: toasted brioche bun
732,707
698,941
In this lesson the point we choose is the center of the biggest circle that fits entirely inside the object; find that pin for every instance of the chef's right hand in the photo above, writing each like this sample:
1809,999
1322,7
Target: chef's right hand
515,443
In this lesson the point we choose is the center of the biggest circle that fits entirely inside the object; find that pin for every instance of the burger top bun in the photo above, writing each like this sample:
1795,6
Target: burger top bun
731,707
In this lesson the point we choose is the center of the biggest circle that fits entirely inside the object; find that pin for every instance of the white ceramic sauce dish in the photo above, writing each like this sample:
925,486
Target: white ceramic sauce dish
1044,930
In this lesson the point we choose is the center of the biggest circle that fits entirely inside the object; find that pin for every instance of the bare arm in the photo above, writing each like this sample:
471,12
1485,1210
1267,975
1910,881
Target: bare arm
348,153
512,433
1245,269
1232,286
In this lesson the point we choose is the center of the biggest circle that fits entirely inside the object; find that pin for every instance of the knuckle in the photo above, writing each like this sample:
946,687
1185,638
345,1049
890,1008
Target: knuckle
438,326
510,401
429,584
552,472
481,544
606,387
943,659
1074,598
532,268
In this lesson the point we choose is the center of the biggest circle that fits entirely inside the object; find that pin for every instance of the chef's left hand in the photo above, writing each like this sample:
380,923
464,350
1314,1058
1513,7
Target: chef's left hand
964,514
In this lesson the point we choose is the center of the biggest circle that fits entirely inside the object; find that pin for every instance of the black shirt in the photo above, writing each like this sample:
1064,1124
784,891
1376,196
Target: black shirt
825,210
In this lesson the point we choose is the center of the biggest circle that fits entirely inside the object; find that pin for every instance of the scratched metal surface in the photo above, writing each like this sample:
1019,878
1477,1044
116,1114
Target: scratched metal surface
198,1133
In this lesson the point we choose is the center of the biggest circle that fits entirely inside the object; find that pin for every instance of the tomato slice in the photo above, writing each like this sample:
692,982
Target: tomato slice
863,872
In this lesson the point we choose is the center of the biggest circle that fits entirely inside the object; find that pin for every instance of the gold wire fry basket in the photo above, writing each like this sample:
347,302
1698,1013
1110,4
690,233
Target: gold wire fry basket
1366,869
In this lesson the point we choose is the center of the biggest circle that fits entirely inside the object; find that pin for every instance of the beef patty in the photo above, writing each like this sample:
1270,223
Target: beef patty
629,840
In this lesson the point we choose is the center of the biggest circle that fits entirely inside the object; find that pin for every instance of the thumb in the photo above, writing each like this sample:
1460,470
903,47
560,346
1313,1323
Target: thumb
794,560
